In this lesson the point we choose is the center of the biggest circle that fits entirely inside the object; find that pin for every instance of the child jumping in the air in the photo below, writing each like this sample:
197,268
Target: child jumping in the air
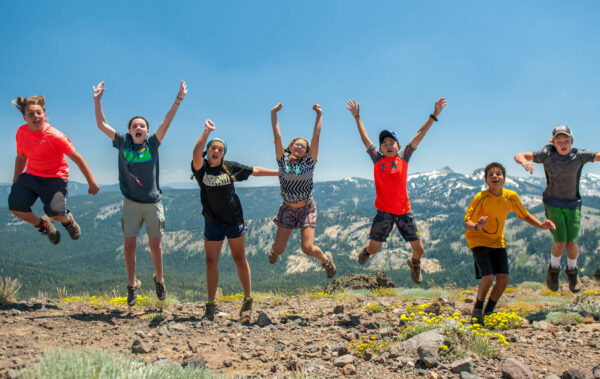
41,151
138,180
563,165
223,214
392,203
484,224
296,167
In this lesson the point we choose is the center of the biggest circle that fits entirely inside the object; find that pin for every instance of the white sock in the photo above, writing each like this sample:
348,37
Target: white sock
571,263
554,261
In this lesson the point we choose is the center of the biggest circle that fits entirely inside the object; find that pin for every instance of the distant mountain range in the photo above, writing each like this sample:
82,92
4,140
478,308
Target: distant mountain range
439,199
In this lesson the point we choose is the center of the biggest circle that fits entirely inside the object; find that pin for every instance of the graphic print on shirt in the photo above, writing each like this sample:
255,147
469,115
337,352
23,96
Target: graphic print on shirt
393,167
137,156
296,178
216,180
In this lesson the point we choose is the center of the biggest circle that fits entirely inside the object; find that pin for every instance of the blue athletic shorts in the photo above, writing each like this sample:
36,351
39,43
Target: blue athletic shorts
216,232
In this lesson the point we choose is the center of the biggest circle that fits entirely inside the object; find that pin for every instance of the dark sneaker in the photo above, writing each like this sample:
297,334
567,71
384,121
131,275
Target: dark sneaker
415,271
552,278
363,256
246,310
161,291
273,257
73,228
477,316
573,278
132,293
50,230
329,267
209,311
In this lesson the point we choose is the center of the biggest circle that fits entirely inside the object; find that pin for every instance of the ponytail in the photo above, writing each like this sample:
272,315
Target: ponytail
21,103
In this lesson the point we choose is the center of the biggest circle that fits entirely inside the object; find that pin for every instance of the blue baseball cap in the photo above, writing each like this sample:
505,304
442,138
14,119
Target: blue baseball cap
386,133
218,140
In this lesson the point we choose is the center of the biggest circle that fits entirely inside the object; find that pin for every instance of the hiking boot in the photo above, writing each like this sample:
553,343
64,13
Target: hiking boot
573,278
209,311
552,278
272,256
132,293
73,228
50,230
246,310
478,316
415,270
161,290
329,267
363,256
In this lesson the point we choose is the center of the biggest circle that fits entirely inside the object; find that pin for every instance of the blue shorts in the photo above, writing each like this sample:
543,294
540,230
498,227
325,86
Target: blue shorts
217,232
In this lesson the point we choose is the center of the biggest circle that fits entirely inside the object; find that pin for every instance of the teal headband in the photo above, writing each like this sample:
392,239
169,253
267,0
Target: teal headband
218,140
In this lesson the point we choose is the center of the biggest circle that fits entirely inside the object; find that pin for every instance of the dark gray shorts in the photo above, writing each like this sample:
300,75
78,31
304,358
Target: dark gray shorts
384,222
26,190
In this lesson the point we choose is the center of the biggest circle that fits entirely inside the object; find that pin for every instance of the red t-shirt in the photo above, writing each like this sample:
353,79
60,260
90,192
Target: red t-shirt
390,176
45,151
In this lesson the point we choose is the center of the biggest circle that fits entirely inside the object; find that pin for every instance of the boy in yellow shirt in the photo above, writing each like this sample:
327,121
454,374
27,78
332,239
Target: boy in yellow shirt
484,224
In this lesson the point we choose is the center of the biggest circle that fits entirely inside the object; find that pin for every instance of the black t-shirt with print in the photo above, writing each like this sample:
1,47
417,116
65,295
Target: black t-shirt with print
221,205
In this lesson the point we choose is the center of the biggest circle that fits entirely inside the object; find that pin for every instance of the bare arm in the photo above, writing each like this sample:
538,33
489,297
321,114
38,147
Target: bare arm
20,163
100,119
198,159
524,160
439,105
85,170
532,220
261,171
276,132
479,225
314,142
354,108
164,125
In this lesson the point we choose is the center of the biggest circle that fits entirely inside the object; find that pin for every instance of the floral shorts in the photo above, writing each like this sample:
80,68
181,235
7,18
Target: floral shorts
294,218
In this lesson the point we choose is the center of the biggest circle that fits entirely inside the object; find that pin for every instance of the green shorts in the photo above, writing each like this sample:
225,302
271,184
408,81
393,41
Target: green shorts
566,221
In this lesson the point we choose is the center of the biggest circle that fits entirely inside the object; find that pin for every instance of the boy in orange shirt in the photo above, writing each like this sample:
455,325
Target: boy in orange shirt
484,224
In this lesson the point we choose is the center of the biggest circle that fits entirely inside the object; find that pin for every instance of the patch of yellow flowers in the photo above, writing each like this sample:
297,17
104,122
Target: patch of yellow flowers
503,320
591,292
326,295
368,343
99,301
376,308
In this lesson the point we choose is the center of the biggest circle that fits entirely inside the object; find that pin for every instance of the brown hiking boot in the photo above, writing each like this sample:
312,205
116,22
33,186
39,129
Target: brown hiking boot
415,271
272,256
161,290
209,311
132,293
363,256
573,278
329,267
552,278
73,228
246,310
50,230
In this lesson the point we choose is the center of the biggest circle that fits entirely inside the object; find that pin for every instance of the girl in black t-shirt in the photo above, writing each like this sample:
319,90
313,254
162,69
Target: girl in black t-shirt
223,215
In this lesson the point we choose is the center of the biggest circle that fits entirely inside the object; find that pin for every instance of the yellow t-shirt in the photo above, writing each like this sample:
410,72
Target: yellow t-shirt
496,208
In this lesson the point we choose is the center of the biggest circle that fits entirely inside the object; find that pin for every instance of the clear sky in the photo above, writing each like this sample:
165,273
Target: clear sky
511,71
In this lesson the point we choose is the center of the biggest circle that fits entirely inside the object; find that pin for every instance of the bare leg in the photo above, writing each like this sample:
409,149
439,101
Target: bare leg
64,219
417,248
212,249
156,254
129,252
484,287
29,217
572,250
307,237
238,253
558,248
281,240
499,287
373,246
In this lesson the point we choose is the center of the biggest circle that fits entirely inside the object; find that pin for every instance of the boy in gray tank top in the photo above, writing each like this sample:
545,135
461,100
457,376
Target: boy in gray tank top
562,201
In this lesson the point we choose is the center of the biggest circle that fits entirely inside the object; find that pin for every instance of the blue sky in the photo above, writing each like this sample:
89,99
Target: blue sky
511,71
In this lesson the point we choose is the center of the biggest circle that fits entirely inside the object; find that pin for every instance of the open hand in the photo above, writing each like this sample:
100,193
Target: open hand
98,91
439,105
277,108
209,125
182,90
528,166
317,108
548,224
353,107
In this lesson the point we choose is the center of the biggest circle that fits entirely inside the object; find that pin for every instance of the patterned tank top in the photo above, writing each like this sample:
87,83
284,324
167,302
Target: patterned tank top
296,178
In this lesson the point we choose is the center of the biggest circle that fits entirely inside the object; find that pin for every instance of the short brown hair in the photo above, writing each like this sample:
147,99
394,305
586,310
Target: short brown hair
141,118
491,166
21,103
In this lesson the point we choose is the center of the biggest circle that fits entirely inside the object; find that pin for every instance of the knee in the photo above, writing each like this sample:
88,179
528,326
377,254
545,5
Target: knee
154,244
487,280
239,259
212,263
502,279
278,250
129,245
307,248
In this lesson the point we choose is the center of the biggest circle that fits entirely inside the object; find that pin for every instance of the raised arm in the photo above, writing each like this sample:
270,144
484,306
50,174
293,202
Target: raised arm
85,170
354,108
198,159
20,163
261,171
276,132
164,125
439,105
314,142
524,160
100,119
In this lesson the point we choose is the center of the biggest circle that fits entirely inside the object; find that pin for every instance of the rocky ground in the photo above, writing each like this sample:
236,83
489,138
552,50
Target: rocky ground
306,336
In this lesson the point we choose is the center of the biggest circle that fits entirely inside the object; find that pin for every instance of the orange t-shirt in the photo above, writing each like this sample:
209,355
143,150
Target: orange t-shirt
45,151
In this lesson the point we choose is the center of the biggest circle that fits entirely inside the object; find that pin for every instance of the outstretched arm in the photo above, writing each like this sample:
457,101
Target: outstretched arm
439,105
20,163
314,142
524,160
198,159
261,171
547,224
100,119
354,108
164,125
276,132
85,170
